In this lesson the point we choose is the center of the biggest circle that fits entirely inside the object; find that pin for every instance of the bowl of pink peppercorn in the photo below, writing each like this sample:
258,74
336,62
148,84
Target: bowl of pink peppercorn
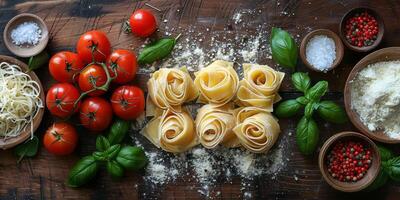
349,161
361,29
26,35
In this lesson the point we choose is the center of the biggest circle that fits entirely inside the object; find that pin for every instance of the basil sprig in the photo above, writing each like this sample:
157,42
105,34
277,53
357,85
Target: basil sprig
114,156
283,48
307,132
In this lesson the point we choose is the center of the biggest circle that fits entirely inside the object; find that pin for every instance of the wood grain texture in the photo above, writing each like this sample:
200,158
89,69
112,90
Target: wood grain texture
43,177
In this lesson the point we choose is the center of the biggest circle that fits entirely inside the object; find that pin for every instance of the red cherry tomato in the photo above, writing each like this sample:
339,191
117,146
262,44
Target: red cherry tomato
60,100
91,76
64,65
60,139
96,42
95,113
124,63
128,102
143,23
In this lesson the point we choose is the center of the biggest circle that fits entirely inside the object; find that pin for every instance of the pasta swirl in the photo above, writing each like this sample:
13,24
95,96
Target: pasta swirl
169,88
256,129
217,83
259,87
214,126
172,131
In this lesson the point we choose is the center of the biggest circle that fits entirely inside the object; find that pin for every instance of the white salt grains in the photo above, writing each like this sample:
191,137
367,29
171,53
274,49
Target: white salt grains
27,33
321,52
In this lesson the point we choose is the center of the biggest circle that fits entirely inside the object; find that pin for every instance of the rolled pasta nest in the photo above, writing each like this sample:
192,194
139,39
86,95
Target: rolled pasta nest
19,100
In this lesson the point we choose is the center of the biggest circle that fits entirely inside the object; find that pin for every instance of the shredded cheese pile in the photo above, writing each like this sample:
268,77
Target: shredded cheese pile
19,100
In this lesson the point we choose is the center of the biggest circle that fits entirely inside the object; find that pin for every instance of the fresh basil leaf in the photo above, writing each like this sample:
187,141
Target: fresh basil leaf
115,169
156,50
379,181
301,81
307,135
317,91
283,48
331,112
309,109
99,156
39,60
113,151
27,149
288,108
386,153
392,167
102,143
118,131
83,171
303,100
132,158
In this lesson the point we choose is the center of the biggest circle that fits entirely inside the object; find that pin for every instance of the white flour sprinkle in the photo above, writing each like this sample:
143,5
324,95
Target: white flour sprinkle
27,33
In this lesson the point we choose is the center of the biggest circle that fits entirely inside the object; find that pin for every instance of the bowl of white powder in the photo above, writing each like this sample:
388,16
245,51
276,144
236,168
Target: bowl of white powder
321,50
26,35
372,95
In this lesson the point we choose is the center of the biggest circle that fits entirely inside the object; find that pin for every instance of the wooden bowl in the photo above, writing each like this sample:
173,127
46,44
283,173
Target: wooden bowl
386,54
349,186
25,50
352,12
26,133
338,44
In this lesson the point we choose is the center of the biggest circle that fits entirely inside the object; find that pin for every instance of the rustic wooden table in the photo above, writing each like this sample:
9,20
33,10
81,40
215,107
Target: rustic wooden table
43,176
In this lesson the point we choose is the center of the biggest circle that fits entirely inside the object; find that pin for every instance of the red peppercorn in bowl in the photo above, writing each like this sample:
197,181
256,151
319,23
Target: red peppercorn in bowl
361,29
349,161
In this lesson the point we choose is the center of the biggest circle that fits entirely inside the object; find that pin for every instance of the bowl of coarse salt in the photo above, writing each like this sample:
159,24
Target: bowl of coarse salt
321,50
26,35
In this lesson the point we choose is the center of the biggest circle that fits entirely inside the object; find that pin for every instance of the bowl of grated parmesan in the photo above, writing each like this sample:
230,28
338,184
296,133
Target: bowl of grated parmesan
371,95
26,35
21,102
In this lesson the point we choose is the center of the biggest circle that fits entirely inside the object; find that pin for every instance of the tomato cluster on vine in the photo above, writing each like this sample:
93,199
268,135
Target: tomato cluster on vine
85,77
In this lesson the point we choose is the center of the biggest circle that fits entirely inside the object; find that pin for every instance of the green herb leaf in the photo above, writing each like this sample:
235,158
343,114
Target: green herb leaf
283,47
115,169
301,81
156,50
307,135
99,156
113,151
39,60
386,153
303,100
309,109
83,171
331,112
380,181
102,143
29,148
118,131
317,91
288,108
132,158
392,167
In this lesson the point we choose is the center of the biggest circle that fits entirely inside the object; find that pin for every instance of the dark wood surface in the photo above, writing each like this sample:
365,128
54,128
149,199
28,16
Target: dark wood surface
43,177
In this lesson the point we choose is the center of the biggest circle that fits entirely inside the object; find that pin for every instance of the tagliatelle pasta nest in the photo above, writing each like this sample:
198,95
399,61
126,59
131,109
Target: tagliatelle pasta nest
259,86
172,131
217,83
169,88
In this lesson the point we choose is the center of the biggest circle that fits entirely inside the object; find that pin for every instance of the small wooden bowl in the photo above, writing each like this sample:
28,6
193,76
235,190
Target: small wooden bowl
349,186
386,54
352,12
26,133
25,50
338,44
